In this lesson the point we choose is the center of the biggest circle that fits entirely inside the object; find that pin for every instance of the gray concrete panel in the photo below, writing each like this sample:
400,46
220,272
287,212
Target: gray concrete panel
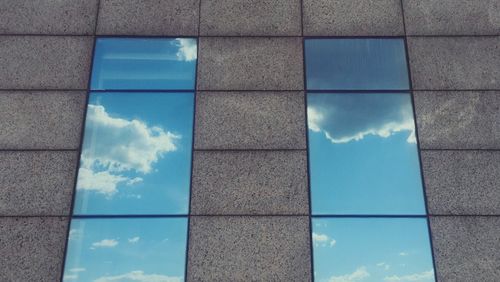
249,182
44,62
250,120
32,248
242,17
256,63
37,182
462,182
458,119
41,120
47,17
455,62
249,249
466,248
352,17
148,17
452,17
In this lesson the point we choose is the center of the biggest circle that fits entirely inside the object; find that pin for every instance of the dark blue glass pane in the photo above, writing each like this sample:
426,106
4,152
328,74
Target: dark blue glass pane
126,249
136,154
372,250
363,154
356,64
134,63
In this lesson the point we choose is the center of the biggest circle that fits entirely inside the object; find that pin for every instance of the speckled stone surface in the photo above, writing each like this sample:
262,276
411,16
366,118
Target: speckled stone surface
148,17
466,249
250,120
41,120
452,17
252,63
47,17
37,182
458,119
252,182
44,62
460,63
352,17
249,249
242,17
462,182
32,248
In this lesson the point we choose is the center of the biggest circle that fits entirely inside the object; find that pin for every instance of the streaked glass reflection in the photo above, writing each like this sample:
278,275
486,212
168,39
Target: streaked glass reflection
363,154
356,64
371,250
135,63
136,154
126,249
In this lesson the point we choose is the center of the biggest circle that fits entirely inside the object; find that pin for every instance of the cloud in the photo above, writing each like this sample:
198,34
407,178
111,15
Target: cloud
357,275
134,240
187,49
343,118
426,275
139,276
70,277
322,240
403,254
384,265
77,269
123,145
105,243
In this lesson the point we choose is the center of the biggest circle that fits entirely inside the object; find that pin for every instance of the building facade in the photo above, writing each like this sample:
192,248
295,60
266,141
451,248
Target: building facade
250,130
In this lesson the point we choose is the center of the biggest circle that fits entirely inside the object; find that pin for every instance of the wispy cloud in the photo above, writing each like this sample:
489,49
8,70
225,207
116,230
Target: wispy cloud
187,49
70,277
139,276
383,265
105,243
403,254
323,240
423,276
77,269
124,146
134,240
358,275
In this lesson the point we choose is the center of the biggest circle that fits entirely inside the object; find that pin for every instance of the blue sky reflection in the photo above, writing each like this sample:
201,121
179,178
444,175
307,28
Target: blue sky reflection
371,250
363,154
136,154
356,64
144,63
139,249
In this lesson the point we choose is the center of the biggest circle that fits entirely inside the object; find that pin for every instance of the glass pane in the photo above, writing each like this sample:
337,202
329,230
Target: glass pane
136,154
372,250
363,154
135,63
126,249
356,64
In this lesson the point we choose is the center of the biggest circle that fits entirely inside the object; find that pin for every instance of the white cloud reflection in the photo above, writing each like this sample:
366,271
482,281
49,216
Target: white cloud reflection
323,240
423,276
139,276
358,275
187,49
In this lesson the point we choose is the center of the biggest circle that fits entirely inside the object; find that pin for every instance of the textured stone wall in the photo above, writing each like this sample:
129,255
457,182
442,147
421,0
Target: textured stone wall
250,160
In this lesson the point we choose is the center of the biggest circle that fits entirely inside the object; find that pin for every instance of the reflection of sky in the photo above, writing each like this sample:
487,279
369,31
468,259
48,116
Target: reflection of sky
135,63
356,64
371,249
136,154
141,250
363,155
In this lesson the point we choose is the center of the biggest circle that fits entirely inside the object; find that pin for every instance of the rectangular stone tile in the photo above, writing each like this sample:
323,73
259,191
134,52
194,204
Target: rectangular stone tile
462,182
452,17
352,17
148,17
41,120
250,120
47,17
37,182
249,249
32,248
44,62
458,119
455,62
256,63
249,182
466,248
242,17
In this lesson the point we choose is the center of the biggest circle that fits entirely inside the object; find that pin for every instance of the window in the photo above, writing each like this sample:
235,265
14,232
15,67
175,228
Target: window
369,219
131,203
